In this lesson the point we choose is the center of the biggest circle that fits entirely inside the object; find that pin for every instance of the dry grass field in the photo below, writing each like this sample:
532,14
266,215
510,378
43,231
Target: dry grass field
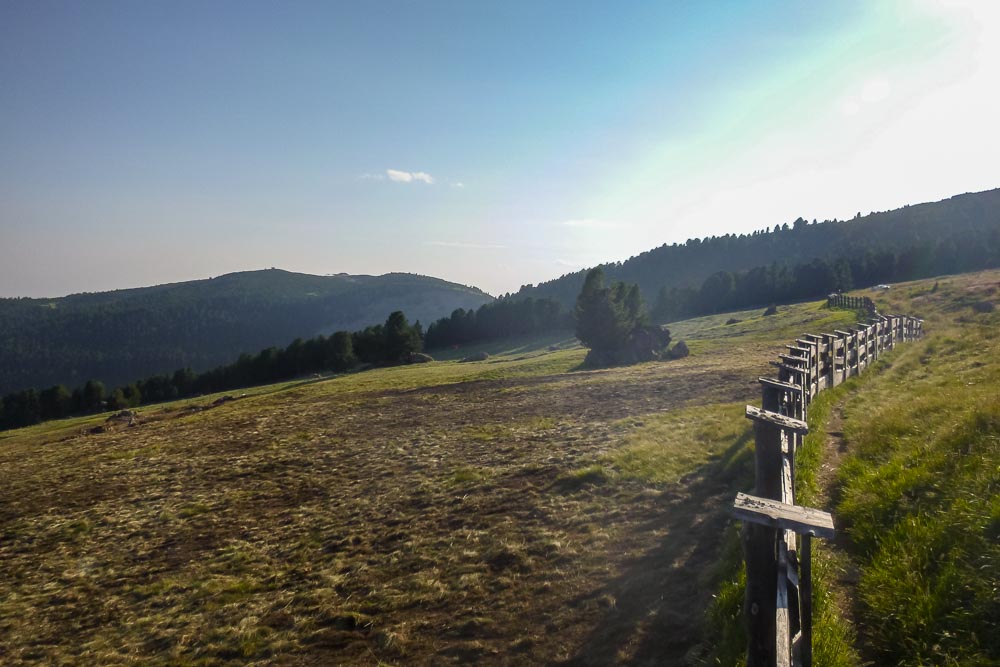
514,511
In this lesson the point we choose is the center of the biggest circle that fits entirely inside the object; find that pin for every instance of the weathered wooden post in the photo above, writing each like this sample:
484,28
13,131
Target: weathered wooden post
806,523
777,534
850,349
767,620
760,542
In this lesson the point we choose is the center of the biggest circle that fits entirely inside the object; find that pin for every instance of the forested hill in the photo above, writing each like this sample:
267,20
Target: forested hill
123,335
942,233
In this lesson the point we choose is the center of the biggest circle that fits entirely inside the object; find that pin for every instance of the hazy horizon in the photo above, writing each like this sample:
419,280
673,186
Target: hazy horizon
279,268
487,145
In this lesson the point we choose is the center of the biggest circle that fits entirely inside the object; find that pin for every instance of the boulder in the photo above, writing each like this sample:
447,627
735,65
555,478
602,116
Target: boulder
680,350
771,310
478,356
419,358
982,307
732,320
648,342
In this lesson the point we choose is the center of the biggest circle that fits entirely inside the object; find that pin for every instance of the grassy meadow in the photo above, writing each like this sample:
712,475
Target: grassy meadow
907,457
919,492
518,510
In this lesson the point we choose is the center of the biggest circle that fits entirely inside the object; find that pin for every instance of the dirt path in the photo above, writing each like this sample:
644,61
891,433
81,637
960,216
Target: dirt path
844,585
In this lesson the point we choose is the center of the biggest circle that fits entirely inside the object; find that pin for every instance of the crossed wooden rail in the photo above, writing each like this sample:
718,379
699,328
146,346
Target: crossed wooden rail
777,533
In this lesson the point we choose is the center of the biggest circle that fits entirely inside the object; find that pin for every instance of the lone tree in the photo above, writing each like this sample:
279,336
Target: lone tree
613,323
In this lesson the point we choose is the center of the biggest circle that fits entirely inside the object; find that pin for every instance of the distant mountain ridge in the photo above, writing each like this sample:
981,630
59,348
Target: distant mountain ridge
688,264
123,335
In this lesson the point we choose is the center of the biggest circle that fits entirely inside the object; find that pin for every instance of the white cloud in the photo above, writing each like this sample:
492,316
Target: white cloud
459,244
398,176
458,184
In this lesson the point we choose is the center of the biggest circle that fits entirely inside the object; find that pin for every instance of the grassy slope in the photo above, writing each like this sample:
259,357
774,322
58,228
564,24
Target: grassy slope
516,510
920,496
917,496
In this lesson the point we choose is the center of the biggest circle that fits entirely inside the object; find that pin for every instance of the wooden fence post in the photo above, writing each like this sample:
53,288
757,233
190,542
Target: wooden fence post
778,602
760,545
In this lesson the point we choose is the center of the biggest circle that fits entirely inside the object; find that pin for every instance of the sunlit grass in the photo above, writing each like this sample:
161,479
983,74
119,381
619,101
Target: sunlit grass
920,498
509,347
664,447
753,325
920,494
396,512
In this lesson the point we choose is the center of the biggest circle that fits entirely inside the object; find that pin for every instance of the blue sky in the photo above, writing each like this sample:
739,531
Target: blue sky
491,144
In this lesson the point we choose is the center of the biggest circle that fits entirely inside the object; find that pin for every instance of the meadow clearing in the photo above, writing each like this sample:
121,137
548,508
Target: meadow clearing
519,510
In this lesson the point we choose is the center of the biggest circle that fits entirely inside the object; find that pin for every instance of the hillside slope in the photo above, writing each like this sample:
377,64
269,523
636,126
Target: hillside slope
960,233
906,456
919,492
123,335
514,511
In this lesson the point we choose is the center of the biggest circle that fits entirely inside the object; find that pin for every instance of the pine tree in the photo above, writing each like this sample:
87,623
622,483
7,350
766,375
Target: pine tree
400,338
609,319
93,396
600,321
341,352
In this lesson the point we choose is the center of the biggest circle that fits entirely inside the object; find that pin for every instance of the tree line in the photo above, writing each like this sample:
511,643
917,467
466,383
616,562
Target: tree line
393,342
723,290
964,231
778,283
124,334
500,319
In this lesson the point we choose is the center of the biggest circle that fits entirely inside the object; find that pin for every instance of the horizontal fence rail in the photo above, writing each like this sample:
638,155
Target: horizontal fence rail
852,302
777,533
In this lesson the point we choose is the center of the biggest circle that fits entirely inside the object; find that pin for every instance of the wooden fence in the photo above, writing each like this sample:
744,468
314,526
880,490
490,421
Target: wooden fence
777,534
852,302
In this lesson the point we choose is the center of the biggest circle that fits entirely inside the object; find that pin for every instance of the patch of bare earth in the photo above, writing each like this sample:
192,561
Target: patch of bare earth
844,586
423,527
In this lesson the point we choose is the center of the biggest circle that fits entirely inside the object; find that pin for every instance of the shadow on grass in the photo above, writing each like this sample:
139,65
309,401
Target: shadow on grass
514,345
661,597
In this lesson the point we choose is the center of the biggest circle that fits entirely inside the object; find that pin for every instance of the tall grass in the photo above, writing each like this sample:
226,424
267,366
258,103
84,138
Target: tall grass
921,500
833,637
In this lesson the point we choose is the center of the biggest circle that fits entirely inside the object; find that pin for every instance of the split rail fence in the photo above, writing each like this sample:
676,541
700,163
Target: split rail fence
777,533
853,302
